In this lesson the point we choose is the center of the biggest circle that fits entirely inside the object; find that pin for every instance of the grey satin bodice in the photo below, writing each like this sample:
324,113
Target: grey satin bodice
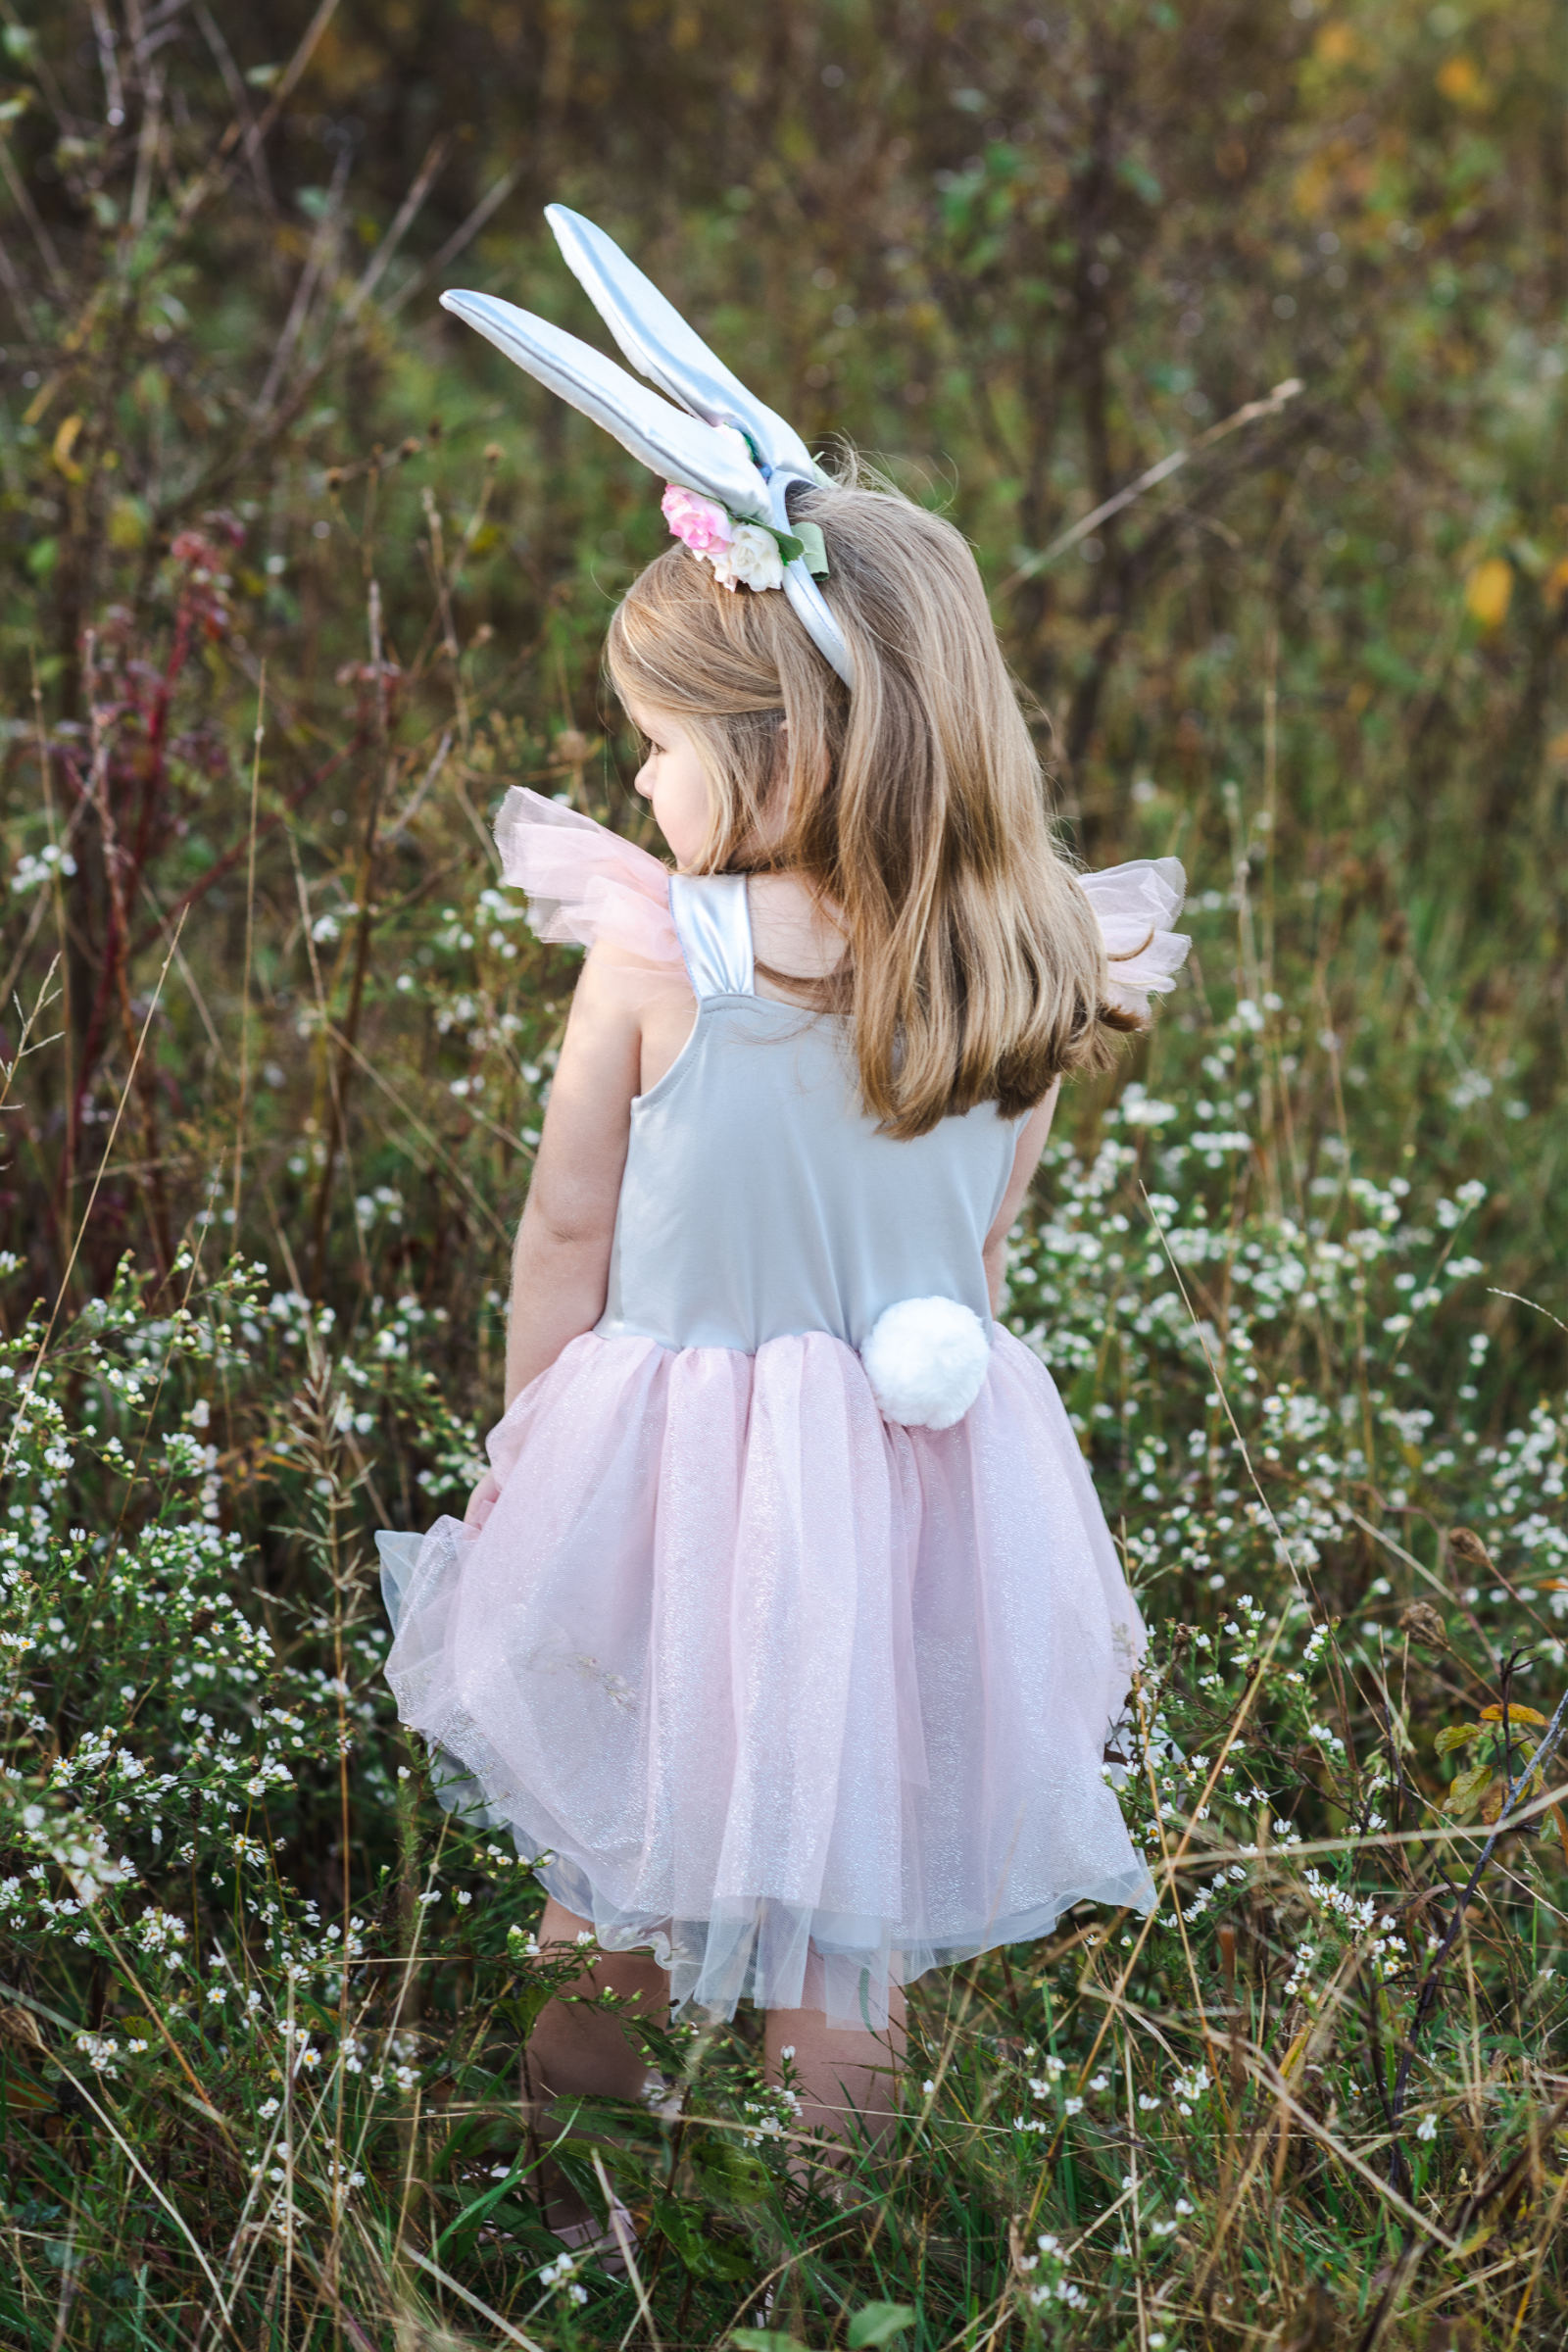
759,1198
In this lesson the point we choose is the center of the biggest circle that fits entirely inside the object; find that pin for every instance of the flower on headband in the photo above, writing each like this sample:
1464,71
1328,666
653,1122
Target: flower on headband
752,560
743,554
705,527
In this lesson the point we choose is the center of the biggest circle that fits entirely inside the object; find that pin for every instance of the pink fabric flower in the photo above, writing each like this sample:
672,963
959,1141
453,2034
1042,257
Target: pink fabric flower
705,527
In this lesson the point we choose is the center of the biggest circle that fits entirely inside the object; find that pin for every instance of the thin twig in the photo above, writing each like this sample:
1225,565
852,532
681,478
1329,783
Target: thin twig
30,212
512,2334
1033,566
450,1164
455,244
628,2252
234,83
435,156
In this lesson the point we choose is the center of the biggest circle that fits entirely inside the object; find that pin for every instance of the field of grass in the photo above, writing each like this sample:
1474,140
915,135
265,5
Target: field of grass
297,584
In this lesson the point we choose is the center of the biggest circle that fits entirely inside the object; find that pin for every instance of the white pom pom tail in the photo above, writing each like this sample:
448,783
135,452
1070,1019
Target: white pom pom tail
926,1360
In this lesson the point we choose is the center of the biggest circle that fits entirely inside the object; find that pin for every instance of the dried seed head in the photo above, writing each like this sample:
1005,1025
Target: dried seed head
1423,1623
1467,1546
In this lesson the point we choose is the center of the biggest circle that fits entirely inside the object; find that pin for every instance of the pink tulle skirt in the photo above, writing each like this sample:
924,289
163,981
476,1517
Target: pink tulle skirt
807,1701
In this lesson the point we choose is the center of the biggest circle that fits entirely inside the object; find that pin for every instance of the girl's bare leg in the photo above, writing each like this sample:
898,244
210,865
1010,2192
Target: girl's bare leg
836,2071
847,2081
578,2052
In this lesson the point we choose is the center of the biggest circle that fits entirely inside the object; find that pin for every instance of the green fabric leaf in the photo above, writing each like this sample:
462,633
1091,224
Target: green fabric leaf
808,538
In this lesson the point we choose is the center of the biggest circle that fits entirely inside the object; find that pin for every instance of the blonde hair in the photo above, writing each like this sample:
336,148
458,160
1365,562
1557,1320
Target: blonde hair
975,969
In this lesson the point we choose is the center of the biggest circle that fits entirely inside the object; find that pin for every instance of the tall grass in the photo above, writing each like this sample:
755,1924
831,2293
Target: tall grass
265,2001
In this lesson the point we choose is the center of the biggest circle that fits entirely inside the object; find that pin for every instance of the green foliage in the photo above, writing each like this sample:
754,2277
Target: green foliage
301,580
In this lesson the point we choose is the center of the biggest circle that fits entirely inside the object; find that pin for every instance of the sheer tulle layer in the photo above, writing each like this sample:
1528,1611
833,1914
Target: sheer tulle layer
809,1702
1133,905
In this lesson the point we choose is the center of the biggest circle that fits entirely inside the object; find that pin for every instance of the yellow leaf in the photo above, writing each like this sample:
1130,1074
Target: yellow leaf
1460,79
40,400
1466,1790
1487,592
1557,748
1563,1829
1336,44
1555,587
1291,2062
127,524
65,442
1515,1715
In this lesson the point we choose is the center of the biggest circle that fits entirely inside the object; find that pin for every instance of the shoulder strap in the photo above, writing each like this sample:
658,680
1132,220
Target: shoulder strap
713,925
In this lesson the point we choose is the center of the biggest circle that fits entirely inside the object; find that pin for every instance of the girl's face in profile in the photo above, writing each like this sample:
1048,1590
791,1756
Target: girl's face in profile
671,777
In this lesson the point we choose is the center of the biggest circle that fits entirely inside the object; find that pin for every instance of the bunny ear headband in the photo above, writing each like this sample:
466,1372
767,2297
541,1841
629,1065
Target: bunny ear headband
729,460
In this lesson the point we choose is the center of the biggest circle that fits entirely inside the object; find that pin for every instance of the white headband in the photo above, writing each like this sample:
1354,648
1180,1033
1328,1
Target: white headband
694,445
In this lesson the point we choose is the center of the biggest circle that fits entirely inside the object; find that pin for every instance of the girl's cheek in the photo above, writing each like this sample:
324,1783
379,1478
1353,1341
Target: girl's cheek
681,808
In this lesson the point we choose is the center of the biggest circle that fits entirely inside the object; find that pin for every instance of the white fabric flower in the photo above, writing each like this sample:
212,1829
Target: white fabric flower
927,1360
751,561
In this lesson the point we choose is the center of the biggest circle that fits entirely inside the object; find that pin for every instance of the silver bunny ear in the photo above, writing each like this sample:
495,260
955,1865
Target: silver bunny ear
659,345
688,445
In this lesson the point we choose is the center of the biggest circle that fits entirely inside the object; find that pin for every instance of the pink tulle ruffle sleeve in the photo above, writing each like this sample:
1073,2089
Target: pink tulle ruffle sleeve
1135,906
587,885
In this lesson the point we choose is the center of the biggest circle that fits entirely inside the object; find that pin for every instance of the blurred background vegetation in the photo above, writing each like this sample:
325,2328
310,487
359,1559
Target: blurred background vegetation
1020,257
299,576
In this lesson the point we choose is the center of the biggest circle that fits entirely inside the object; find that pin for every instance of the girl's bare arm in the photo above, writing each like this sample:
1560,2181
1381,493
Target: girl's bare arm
561,1266
1025,1160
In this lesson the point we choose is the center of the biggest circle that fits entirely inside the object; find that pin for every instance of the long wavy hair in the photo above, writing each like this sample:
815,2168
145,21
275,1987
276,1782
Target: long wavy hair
914,808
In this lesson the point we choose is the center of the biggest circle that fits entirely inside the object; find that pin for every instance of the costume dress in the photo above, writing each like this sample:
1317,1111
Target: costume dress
806,1699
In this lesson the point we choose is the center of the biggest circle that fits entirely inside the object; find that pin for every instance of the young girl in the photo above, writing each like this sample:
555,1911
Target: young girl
786,1625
